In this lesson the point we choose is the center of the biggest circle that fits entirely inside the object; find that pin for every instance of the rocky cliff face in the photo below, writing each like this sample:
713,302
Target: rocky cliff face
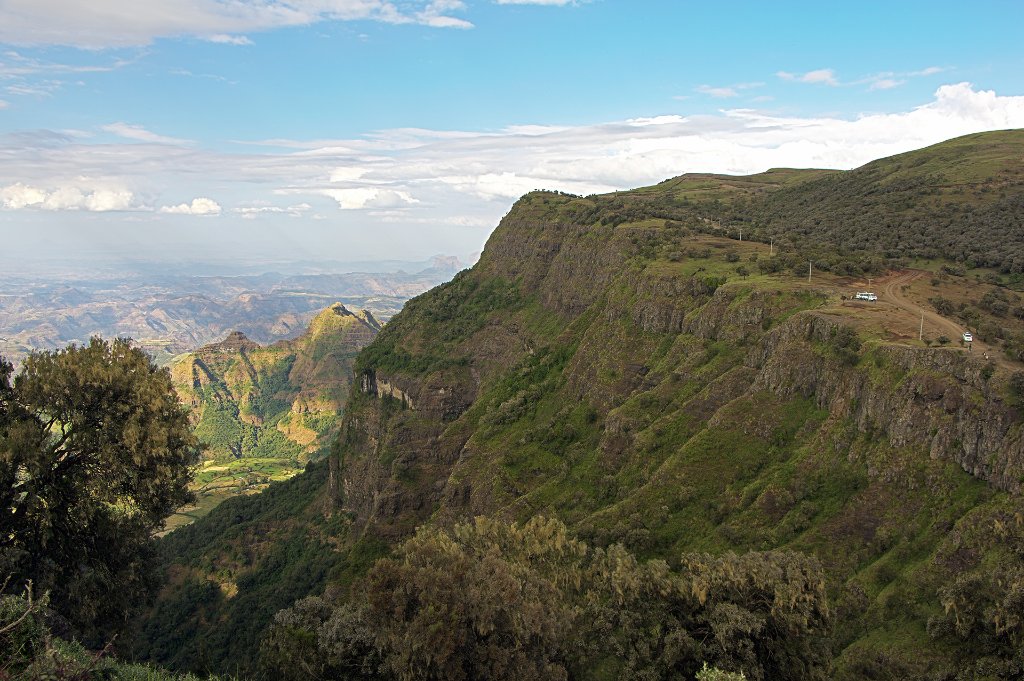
415,446
938,400
660,400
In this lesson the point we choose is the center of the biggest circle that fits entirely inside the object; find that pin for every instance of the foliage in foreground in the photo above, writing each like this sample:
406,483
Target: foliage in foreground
29,650
499,601
95,452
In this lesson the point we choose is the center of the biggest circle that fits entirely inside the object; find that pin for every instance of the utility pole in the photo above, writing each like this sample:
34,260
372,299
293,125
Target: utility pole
920,333
808,271
771,248
741,234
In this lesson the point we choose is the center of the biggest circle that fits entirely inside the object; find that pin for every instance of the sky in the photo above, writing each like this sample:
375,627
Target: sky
268,130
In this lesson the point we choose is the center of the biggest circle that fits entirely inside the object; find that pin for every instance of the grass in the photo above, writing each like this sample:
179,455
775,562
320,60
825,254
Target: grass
216,482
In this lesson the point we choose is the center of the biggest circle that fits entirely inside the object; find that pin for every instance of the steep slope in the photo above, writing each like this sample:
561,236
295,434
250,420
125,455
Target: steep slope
588,372
610,363
264,411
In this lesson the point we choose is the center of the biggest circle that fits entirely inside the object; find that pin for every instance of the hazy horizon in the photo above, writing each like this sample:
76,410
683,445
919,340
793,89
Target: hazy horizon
355,130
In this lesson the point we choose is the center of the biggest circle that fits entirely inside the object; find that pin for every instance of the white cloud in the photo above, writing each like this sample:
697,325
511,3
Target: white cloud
3,104
825,76
358,198
436,14
886,80
14,65
423,184
724,92
42,88
106,200
19,196
225,39
119,23
199,206
140,134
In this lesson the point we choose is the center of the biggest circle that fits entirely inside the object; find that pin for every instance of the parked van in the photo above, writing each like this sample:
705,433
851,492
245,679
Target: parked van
866,295
968,338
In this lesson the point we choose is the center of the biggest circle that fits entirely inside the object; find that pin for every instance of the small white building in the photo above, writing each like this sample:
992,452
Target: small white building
866,295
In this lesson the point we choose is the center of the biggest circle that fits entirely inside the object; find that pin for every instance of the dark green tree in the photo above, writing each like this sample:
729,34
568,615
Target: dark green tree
491,600
95,453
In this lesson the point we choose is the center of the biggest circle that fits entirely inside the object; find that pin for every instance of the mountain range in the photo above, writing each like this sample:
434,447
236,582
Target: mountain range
169,313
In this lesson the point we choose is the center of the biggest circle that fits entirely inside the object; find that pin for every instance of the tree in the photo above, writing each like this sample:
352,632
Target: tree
484,602
95,453
490,600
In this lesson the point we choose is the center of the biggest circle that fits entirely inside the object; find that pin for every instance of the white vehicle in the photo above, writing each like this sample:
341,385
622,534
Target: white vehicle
968,338
866,295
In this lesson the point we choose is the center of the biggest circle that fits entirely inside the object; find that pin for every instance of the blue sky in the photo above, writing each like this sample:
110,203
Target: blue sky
360,129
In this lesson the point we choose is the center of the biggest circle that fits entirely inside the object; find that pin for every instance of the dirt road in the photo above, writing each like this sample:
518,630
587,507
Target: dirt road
893,293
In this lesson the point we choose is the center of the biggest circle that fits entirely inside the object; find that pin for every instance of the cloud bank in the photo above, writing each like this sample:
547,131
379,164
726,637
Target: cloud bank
425,183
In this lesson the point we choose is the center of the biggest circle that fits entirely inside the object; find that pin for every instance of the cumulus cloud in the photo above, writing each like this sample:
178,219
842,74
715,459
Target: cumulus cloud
119,23
425,177
140,134
199,206
358,198
19,196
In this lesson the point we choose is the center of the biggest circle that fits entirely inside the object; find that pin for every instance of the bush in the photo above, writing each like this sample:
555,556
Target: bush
498,601
23,633
715,674
1017,384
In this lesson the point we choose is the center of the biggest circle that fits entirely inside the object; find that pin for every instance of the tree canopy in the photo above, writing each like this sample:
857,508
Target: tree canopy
494,600
95,452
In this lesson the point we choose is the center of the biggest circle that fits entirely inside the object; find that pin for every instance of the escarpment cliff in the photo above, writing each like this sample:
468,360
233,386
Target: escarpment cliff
942,401
589,315
638,382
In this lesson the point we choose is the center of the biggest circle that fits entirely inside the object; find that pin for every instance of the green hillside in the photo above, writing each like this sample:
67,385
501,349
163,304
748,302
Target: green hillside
960,200
619,363
264,411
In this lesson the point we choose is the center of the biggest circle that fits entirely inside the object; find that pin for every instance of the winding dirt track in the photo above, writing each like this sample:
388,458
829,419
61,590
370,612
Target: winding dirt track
893,293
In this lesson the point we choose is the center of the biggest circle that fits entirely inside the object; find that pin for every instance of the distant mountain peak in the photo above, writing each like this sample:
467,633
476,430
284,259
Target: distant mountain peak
340,309
370,320
233,342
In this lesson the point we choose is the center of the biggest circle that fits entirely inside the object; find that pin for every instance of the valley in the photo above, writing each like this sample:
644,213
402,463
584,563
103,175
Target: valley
263,412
